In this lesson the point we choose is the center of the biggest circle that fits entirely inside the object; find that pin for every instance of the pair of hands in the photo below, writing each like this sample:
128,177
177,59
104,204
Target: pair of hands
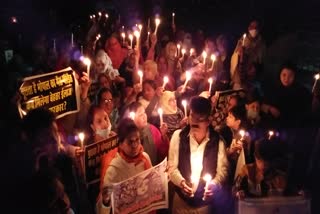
208,193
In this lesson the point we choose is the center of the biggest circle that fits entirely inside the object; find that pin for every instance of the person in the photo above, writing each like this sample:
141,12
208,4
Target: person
250,50
195,151
128,161
105,100
154,141
288,102
172,115
261,178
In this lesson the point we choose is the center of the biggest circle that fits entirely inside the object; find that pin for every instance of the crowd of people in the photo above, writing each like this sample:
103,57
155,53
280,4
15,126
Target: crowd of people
258,142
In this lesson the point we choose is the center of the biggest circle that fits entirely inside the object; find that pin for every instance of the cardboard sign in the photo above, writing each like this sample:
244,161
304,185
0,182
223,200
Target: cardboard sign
56,91
92,159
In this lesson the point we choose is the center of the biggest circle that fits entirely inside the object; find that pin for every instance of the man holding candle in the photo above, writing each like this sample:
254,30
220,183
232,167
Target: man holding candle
195,151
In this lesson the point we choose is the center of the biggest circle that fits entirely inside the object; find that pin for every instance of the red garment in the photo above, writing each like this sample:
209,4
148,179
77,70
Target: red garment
162,145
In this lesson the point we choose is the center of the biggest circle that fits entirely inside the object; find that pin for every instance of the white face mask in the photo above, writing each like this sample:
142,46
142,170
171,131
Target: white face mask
104,133
253,33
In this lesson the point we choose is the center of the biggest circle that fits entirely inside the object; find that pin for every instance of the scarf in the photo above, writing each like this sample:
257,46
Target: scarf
136,160
164,102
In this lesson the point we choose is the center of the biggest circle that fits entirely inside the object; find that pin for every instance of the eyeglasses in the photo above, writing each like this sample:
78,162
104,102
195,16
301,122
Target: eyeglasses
108,100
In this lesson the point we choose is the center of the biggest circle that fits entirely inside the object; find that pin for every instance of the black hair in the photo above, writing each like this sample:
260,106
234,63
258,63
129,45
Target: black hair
200,105
150,82
239,112
125,127
101,91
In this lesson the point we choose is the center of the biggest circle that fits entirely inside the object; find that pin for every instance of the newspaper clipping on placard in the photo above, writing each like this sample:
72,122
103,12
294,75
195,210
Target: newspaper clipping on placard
56,91
142,193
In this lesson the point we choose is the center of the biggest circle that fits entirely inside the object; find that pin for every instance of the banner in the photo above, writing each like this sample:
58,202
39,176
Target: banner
223,97
92,158
56,91
142,193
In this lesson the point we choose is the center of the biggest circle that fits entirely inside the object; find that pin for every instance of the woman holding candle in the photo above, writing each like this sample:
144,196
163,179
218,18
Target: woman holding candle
194,151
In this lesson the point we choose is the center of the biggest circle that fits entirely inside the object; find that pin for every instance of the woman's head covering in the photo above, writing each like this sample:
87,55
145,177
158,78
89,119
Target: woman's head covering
164,102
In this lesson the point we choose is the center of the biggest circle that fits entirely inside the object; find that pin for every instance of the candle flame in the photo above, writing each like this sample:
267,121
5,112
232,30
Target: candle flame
165,79
81,136
86,61
191,51
136,34
183,51
99,13
123,35
178,46
140,27
173,14
130,36
132,115
213,57
140,73
242,132
160,111
207,178
188,75
157,20
210,80
317,76
184,103
204,54
107,16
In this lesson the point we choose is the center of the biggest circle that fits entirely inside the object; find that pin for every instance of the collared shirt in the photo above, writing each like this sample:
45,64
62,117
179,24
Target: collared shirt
197,151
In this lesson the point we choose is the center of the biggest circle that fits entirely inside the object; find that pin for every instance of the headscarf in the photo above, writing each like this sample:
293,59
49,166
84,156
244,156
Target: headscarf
108,68
164,102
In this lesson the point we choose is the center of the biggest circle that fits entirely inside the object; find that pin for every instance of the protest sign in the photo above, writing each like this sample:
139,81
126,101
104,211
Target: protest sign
222,97
142,193
93,155
56,91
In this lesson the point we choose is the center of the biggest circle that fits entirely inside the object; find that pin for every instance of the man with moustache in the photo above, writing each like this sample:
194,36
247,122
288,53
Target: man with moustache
195,151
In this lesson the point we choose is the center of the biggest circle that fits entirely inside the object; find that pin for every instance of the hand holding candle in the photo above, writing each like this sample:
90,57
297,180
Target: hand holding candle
140,73
165,81
207,179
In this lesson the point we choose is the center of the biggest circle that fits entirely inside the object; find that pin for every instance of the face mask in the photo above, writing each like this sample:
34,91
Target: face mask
104,133
252,114
253,33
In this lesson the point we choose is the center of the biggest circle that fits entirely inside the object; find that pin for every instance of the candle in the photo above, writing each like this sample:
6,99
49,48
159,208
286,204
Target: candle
316,77
71,39
194,180
207,179
140,73
99,14
183,51
210,84
87,62
165,81
173,14
137,35
54,45
243,39
213,58
130,37
184,103
81,138
191,51
148,38
178,50
132,115
160,112
204,55
140,27
271,133
123,35
106,15
188,77
148,26
242,133
157,20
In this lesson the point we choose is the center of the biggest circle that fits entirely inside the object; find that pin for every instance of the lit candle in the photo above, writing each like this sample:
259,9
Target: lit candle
213,58
99,14
184,103
87,62
191,51
160,112
207,179
316,77
204,55
188,77
137,35
243,39
165,81
106,15
157,20
132,115
271,133
81,138
140,27
194,180
178,50
71,39
183,51
131,38
148,38
173,14
242,133
210,84
98,37
140,73
123,35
